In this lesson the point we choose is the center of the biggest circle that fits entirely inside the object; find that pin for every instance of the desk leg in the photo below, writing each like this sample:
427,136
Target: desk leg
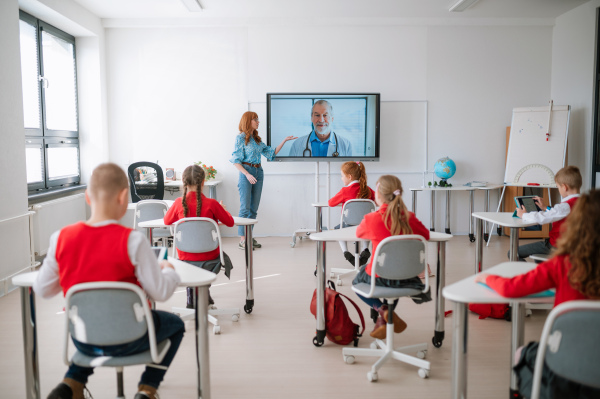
514,244
202,357
32,373
448,212
149,235
249,271
486,207
414,204
472,209
517,335
440,303
432,213
321,269
212,192
478,245
459,351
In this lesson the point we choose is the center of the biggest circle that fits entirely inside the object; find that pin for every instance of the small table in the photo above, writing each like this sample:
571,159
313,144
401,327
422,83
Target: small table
349,234
467,291
504,219
191,276
238,221
175,185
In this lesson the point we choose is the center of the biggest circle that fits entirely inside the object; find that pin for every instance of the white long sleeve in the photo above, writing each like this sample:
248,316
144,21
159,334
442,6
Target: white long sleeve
558,212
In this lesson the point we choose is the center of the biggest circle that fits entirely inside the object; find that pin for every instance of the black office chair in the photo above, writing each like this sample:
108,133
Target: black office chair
150,186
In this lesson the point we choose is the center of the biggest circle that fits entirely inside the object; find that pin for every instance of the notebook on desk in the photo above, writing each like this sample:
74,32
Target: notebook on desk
543,294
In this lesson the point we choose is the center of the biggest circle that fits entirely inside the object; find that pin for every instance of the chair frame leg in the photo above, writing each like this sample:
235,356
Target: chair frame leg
120,393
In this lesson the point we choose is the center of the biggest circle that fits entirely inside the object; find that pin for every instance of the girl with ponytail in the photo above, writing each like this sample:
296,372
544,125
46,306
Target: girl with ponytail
392,218
195,204
354,178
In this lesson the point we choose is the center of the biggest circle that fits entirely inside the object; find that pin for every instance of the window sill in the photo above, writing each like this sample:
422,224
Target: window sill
52,194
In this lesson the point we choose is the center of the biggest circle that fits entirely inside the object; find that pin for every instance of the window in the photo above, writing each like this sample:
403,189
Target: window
49,80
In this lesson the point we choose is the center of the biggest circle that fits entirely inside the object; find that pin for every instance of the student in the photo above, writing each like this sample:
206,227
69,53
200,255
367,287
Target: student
195,204
100,249
568,181
392,218
354,178
575,273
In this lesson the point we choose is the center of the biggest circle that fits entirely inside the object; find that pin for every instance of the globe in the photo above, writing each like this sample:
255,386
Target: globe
444,168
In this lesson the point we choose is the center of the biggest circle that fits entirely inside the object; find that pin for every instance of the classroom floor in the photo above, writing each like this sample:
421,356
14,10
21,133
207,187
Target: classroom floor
269,354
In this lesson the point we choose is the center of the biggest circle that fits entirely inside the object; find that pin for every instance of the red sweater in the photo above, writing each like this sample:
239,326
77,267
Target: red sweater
348,193
555,230
210,209
373,228
86,254
549,274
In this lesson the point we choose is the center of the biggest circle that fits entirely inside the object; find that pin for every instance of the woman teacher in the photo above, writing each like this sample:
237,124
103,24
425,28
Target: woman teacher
246,158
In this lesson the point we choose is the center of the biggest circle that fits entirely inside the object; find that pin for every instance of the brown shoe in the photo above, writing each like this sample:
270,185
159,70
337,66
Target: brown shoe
146,392
399,324
69,389
379,331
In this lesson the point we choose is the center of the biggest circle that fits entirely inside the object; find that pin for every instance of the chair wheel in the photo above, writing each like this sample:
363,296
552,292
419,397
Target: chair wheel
332,275
235,317
349,359
372,377
423,373
374,345
422,354
247,309
436,343
339,282
292,244
217,330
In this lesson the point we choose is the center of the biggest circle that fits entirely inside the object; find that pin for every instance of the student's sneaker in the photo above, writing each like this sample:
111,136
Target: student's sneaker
70,389
242,245
349,257
364,257
255,244
146,392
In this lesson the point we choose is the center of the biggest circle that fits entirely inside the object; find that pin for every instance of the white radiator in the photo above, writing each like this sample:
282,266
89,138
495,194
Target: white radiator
53,215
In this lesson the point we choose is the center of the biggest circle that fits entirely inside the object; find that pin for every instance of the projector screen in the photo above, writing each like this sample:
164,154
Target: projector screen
329,126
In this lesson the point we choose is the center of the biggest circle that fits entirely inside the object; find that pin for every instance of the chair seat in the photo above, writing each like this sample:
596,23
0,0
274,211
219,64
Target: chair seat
384,292
119,361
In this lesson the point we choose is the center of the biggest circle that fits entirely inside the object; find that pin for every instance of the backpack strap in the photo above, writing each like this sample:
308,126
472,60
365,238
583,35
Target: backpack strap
362,319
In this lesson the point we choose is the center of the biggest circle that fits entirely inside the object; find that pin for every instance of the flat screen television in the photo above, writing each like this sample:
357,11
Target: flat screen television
329,126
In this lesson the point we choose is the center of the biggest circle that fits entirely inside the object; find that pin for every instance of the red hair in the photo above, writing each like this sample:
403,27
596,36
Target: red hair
358,172
246,126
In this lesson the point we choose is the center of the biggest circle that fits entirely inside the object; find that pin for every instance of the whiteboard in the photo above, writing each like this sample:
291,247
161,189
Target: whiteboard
531,158
403,139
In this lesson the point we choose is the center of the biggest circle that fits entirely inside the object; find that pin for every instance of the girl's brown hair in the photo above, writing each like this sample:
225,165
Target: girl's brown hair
396,215
580,240
246,126
192,176
358,172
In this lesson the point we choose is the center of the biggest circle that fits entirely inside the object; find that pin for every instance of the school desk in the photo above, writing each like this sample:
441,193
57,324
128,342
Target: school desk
191,276
176,185
349,234
504,219
238,221
468,291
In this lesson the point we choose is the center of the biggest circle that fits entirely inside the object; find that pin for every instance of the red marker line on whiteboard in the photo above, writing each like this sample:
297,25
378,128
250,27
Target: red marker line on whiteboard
533,184
549,119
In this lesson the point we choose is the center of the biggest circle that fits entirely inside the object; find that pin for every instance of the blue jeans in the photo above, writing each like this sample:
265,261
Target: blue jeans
249,195
166,325
538,247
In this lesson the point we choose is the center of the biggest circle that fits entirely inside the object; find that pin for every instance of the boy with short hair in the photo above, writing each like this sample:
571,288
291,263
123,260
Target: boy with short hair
102,250
568,180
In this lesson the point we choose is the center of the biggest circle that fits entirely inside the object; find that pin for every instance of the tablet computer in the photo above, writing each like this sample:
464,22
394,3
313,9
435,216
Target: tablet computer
160,252
528,202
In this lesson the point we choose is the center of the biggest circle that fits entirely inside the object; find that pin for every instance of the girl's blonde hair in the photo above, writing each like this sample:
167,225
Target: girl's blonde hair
580,240
358,172
193,175
246,126
396,215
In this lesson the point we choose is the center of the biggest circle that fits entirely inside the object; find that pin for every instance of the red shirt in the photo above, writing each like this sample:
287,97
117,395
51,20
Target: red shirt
348,193
549,274
373,228
86,254
555,230
210,209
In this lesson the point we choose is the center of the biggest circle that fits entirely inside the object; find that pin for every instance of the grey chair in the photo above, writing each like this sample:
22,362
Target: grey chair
569,345
110,313
396,258
198,235
353,213
149,210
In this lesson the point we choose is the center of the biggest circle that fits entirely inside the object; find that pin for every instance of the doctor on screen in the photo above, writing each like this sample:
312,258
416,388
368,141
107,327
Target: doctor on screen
322,141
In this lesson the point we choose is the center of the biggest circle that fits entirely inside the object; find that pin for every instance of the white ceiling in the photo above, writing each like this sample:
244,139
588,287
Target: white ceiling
323,9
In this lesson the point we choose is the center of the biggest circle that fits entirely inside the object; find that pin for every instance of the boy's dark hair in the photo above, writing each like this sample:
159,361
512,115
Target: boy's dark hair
570,176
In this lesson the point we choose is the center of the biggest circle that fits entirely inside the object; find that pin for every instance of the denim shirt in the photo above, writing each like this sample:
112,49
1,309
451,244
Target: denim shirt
250,153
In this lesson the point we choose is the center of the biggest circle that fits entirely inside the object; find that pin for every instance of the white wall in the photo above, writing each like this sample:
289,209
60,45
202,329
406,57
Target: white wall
573,49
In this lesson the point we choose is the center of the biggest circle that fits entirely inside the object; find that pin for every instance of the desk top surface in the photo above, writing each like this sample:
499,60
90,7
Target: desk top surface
505,219
349,234
237,221
467,290
191,276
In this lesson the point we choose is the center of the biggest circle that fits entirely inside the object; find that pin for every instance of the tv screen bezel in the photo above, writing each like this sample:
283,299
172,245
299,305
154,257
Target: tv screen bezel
374,158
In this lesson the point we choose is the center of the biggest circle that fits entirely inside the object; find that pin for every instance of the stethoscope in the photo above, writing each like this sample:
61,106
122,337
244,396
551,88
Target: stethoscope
335,153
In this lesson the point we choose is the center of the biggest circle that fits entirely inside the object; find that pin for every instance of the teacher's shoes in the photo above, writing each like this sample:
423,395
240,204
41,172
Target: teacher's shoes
255,244
70,389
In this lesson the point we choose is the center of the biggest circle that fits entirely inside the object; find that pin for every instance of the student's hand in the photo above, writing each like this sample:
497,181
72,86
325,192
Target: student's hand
481,277
521,211
164,264
539,202
251,178
223,205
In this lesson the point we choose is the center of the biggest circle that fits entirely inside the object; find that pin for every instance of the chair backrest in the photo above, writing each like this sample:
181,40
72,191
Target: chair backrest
149,210
197,235
399,258
108,313
151,188
569,345
355,210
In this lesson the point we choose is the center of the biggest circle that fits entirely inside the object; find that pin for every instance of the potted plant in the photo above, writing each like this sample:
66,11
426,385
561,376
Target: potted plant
209,171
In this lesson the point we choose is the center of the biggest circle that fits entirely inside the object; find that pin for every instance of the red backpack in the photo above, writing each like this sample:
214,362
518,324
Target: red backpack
339,327
493,310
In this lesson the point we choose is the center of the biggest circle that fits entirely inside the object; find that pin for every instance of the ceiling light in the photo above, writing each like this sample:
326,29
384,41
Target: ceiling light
462,5
193,5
